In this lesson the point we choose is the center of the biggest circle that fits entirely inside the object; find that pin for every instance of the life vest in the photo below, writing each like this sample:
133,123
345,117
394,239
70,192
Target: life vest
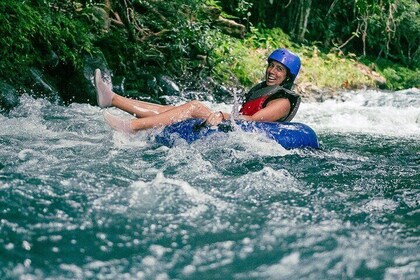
259,96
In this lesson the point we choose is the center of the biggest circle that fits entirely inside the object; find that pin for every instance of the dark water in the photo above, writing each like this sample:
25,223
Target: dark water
79,201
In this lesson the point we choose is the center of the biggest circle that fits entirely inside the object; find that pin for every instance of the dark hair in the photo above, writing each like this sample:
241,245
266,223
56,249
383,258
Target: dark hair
288,82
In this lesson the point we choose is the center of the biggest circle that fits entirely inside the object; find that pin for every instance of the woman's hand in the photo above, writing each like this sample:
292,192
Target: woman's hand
215,118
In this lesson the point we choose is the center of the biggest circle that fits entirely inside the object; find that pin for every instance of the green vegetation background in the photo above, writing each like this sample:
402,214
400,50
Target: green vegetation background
197,40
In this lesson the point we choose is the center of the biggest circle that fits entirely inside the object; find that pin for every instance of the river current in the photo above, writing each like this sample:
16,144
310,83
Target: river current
80,201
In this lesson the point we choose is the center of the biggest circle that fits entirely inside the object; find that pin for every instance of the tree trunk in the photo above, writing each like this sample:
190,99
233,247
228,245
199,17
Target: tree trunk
304,12
261,11
300,15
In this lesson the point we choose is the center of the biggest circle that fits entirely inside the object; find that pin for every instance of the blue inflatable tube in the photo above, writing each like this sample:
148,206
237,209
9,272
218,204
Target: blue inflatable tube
290,135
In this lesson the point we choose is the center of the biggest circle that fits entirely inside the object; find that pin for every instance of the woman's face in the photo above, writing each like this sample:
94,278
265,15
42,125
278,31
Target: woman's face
275,74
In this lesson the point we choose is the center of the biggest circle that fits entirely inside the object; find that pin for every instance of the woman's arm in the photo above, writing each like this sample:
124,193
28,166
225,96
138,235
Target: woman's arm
217,117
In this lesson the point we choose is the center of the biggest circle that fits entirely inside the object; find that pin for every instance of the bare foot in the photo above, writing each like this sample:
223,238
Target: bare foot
104,94
118,123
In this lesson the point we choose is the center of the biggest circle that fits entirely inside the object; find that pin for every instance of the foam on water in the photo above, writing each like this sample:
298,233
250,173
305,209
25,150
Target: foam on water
80,201
372,112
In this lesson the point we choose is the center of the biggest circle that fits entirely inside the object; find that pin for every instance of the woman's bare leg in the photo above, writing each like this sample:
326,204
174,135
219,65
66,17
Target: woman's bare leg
150,115
139,108
193,109
107,98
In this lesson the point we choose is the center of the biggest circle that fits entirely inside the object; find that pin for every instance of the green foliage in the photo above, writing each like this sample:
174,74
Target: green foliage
235,62
243,9
152,35
331,70
268,38
245,60
399,77
408,33
386,29
32,31
157,36
178,38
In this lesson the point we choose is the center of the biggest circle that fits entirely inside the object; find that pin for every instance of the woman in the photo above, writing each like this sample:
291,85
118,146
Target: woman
269,101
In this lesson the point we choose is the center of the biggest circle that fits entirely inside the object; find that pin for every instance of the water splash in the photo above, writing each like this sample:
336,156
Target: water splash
80,201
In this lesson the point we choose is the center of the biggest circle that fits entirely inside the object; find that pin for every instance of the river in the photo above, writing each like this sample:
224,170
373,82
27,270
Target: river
80,201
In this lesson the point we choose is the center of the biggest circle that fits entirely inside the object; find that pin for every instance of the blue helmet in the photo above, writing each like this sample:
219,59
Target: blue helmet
288,59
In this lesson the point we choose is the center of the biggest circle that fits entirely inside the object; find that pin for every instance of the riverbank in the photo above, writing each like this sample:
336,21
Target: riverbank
51,49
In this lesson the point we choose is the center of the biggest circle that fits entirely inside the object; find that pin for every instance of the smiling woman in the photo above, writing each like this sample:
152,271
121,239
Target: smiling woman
276,73
269,101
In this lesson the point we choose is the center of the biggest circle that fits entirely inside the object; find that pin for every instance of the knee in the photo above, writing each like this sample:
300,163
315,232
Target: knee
195,104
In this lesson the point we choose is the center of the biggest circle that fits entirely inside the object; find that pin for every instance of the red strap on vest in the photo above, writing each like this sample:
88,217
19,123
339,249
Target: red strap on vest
251,107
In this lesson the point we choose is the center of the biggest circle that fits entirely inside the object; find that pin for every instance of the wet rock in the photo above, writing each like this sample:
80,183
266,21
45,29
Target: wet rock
220,93
42,85
311,93
119,85
150,88
136,85
166,86
227,26
78,85
379,80
203,87
52,60
102,16
231,27
211,12
9,97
